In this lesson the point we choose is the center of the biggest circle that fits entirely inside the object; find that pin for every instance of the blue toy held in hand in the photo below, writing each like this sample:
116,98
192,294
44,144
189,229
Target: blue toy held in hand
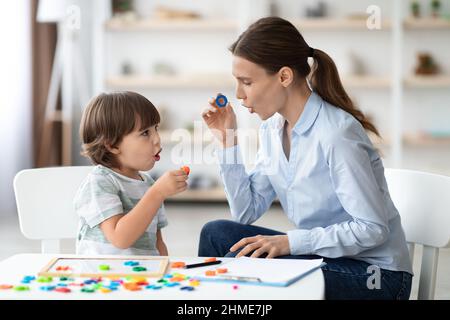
221,101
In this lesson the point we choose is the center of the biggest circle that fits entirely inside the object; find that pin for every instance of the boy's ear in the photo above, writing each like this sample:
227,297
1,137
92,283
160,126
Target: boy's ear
113,150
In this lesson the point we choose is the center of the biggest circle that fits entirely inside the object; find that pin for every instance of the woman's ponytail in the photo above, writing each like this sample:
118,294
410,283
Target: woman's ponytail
324,79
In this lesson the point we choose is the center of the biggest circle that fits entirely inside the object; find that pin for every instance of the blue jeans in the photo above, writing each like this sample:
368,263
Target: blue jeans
345,278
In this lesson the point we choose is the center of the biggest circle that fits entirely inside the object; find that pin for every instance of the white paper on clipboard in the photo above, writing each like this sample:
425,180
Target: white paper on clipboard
260,271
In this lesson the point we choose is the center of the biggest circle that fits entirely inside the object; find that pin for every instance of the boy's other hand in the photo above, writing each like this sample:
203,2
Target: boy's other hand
171,183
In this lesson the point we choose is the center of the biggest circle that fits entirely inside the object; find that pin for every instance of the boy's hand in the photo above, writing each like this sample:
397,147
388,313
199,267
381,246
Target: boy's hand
171,183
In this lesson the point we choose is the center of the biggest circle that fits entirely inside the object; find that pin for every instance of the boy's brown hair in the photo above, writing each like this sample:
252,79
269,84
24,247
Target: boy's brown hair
108,118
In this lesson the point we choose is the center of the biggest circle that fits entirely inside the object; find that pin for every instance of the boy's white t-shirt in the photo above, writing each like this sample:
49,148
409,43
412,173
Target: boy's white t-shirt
104,194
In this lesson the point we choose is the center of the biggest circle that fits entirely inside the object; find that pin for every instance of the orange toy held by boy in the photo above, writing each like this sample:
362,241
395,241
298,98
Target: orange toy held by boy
186,169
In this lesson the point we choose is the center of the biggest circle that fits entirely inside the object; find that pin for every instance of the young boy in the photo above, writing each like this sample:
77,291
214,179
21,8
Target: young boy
120,206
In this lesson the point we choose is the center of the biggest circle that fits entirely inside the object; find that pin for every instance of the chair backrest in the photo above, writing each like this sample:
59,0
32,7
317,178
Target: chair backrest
44,199
423,201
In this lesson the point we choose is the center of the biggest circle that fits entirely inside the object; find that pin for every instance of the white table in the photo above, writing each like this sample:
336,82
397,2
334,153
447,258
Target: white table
13,269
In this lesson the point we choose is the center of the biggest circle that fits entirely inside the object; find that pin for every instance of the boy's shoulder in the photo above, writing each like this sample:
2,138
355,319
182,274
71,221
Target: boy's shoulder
101,177
98,182
100,172
106,179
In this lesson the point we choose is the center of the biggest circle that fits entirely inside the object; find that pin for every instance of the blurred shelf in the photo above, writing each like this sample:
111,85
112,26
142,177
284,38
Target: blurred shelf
366,82
431,81
184,25
190,81
119,25
209,81
411,140
426,23
423,140
335,24
201,195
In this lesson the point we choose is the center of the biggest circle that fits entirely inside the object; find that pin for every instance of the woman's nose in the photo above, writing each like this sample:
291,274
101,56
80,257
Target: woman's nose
240,93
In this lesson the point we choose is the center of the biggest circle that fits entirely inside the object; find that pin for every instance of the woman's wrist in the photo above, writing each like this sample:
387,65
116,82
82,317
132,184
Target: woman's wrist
230,139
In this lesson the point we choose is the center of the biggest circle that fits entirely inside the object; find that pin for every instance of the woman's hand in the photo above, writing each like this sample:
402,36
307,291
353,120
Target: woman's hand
274,246
221,122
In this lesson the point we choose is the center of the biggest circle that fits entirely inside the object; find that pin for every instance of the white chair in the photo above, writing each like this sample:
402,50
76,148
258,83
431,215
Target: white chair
423,201
44,199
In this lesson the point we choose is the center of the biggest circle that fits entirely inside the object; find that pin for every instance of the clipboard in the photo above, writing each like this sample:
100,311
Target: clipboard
265,272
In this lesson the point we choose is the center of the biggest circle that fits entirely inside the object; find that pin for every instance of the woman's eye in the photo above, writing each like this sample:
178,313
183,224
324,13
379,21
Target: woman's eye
145,133
247,83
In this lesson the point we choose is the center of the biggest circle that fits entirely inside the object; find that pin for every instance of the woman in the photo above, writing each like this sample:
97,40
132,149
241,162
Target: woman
316,157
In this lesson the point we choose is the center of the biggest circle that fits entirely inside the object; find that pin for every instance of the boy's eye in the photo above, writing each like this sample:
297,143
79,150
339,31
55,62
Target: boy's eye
145,133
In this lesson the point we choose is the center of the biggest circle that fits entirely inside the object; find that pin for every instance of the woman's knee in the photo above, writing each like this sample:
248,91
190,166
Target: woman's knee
216,227
231,254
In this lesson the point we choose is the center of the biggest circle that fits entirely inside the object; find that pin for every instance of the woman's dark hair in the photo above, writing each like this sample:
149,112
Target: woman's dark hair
274,43
108,118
